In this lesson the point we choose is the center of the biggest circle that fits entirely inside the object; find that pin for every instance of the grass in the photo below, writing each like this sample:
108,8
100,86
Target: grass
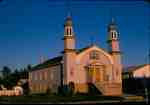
55,98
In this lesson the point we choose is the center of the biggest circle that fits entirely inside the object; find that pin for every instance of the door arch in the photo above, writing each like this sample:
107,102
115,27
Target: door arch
95,73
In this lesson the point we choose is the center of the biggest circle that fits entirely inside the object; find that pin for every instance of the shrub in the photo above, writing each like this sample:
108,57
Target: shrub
48,91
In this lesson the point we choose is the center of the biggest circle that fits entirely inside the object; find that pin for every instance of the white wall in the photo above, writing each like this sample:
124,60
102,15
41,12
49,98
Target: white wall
141,72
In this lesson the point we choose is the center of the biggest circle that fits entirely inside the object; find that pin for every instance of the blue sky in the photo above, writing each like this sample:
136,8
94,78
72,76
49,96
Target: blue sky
30,29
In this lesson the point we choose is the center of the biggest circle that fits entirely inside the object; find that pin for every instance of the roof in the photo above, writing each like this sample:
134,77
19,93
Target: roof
133,68
82,49
85,48
56,60
48,63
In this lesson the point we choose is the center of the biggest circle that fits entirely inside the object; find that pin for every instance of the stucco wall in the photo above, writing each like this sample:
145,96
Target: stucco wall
83,60
69,67
141,72
41,80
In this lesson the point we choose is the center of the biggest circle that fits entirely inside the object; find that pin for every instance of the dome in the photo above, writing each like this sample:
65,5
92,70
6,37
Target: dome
112,27
68,21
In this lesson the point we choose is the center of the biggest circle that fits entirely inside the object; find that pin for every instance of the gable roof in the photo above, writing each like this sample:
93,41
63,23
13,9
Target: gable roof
48,63
85,48
57,60
53,61
82,49
133,68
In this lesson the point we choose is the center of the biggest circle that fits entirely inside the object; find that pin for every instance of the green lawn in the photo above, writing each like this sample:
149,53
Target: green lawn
55,98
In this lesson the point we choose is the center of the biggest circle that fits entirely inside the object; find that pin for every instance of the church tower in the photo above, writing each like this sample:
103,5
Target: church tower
114,50
69,53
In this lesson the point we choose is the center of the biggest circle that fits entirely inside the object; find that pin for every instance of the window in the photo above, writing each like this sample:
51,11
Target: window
112,34
94,55
34,75
70,31
115,34
40,75
67,31
45,75
51,76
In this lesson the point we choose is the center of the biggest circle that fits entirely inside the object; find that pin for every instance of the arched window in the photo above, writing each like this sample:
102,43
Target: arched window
70,31
112,35
115,34
67,31
94,55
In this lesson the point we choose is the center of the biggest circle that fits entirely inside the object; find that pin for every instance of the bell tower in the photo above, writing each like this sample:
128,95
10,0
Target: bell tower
69,53
114,50
69,39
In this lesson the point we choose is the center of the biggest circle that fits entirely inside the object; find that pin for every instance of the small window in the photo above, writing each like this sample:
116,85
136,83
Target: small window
32,76
35,75
70,31
67,31
45,75
94,55
114,35
40,75
51,76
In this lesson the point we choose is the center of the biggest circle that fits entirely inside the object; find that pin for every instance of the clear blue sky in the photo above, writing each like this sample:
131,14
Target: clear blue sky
33,28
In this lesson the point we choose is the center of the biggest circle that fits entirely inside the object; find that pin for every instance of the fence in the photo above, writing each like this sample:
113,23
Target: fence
17,91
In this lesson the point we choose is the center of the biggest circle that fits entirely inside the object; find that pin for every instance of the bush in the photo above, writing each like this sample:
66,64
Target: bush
26,88
67,90
71,88
48,91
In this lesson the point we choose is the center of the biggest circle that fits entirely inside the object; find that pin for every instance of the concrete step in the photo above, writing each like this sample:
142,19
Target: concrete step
107,88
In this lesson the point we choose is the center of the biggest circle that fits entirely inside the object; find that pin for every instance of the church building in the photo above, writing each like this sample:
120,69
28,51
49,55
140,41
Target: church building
81,68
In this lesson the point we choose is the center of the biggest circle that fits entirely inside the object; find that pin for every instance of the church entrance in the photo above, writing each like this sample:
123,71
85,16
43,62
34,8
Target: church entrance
95,73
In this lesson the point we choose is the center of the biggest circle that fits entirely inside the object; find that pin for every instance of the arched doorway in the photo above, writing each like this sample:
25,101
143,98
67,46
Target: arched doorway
95,73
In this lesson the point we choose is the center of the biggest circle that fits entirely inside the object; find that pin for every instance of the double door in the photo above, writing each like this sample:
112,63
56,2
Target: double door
95,73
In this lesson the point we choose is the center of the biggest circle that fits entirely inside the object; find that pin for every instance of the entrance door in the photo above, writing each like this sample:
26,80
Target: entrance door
95,73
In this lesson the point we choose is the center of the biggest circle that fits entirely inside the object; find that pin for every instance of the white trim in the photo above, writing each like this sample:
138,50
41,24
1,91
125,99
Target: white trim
79,56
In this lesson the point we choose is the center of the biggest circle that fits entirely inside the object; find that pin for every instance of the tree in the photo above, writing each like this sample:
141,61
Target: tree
6,71
29,67
24,73
10,79
48,91
71,88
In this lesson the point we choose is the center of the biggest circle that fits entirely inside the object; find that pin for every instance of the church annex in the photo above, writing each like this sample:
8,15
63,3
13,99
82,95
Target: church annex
81,68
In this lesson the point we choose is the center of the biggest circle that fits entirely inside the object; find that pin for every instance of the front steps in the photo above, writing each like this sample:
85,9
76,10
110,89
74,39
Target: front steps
109,88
